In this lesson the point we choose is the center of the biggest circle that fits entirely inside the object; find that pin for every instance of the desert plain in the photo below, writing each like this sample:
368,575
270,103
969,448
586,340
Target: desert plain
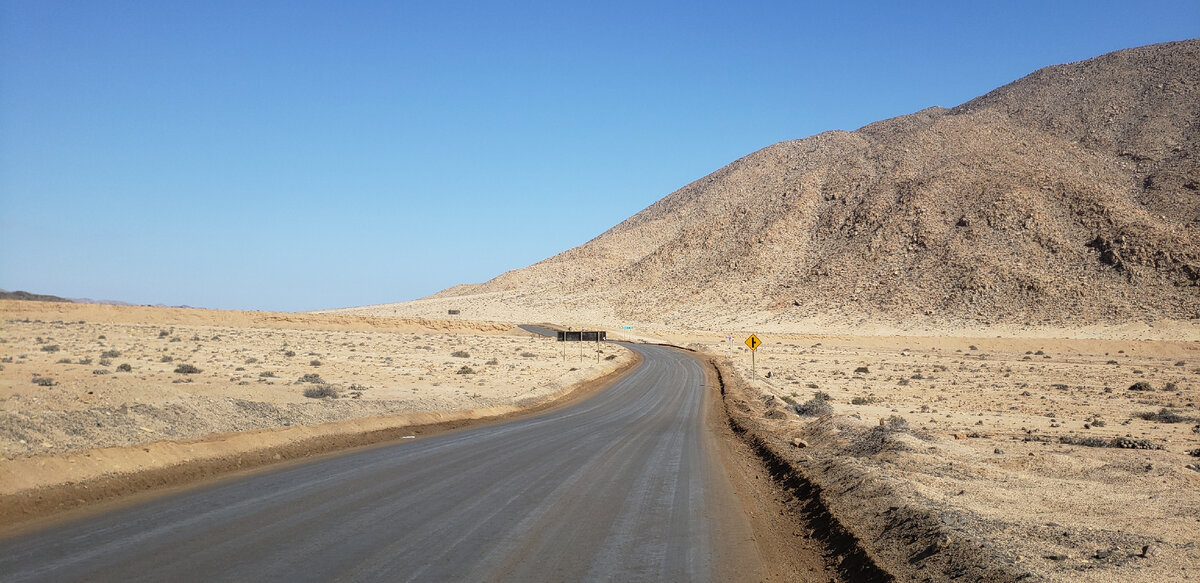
92,390
1075,459
1072,456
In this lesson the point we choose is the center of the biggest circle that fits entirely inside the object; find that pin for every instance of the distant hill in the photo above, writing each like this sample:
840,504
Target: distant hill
1069,196
22,295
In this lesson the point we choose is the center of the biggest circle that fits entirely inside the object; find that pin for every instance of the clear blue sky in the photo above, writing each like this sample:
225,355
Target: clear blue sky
303,155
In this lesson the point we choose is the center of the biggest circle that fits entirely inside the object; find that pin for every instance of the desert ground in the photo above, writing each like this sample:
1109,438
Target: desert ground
78,377
1068,454
1074,459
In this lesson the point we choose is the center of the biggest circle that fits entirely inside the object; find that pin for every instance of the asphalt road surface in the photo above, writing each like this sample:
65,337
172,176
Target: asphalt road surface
624,486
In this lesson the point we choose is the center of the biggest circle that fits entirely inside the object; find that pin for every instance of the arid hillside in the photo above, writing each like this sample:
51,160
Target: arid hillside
1071,196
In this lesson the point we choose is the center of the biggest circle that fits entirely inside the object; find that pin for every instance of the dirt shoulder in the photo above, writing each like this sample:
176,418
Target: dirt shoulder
1018,459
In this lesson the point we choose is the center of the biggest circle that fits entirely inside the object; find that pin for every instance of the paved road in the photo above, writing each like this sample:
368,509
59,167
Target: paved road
625,486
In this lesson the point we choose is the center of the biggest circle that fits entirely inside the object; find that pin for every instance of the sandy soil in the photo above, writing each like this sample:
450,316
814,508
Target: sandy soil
990,440
1006,439
65,389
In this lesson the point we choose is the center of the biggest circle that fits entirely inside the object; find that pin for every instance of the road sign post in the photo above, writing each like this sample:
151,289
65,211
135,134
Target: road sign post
753,342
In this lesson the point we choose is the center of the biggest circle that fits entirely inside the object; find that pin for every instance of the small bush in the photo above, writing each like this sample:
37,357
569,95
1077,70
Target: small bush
110,354
163,333
1141,386
1172,387
166,359
290,353
105,361
314,362
311,377
124,367
84,361
527,355
813,408
610,357
862,370
321,392
266,374
43,381
251,360
895,423
492,362
101,371
186,369
1164,415
863,400
50,348
465,370
822,396
460,354
1116,442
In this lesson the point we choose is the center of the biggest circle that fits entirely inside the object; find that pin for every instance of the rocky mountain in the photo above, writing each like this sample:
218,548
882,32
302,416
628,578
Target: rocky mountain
1070,196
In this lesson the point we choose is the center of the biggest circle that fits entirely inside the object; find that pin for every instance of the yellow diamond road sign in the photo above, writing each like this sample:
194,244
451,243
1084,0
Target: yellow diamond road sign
753,342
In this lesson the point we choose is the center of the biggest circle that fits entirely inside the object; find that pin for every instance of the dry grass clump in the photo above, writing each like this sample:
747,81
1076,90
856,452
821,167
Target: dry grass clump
321,392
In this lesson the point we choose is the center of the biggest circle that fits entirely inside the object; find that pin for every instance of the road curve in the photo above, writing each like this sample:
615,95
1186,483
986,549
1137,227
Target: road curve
625,486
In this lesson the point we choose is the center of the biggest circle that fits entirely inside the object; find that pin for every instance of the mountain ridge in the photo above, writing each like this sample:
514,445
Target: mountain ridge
1066,196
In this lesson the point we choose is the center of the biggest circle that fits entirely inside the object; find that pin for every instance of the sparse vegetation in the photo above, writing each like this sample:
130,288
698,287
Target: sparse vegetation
187,369
813,407
1163,415
1116,442
321,392
895,423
